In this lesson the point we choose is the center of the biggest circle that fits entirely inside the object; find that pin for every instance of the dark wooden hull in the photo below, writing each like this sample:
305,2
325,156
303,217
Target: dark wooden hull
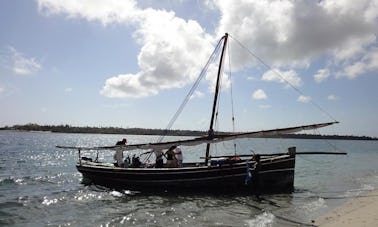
275,174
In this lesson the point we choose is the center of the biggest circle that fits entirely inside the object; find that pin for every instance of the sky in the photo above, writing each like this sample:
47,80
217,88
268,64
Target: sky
131,63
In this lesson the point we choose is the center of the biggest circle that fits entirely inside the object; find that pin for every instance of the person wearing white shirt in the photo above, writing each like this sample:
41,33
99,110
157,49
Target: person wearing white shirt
178,155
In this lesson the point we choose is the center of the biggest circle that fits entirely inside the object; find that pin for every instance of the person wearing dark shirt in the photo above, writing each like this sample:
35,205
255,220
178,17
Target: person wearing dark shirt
118,156
159,163
122,142
171,159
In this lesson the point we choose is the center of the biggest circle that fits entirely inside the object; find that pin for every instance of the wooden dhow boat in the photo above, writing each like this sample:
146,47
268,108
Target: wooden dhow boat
255,173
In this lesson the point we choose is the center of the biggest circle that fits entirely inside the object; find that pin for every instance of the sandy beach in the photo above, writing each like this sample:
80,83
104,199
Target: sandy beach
359,211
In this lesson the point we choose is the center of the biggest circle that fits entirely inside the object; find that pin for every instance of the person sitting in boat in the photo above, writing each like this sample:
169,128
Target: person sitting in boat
178,156
171,159
118,156
135,162
159,158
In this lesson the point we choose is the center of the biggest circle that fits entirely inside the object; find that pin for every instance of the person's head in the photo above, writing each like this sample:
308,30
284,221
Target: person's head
124,140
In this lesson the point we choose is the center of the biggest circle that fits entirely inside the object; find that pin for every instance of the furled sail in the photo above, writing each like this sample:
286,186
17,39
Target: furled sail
205,139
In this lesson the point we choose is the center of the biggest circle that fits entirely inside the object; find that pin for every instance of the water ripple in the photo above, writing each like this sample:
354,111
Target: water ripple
40,186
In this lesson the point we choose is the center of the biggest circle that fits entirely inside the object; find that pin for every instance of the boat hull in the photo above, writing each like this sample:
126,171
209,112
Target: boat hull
273,175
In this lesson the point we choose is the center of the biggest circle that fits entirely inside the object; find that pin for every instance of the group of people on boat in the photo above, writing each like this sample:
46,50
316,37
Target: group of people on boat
173,155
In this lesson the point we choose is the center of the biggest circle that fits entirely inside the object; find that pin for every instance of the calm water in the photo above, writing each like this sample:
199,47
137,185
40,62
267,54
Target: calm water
40,186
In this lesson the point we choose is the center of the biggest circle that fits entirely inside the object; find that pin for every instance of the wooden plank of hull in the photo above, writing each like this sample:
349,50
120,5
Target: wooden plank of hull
274,175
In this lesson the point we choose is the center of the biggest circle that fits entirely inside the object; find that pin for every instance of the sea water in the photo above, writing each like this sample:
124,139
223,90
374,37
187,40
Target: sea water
39,185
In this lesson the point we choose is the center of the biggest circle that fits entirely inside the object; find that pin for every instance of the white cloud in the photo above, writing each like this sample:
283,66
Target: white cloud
173,50
367,63
284,33
287,77
22,65
68,90
111,11
259,94
7,90
304,99
332,97
197,94
321,75
294,33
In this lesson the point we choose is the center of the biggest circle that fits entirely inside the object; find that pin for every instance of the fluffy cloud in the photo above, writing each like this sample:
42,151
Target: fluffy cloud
367,63
111,11
259,94
321,75
304,99
290,78
7,90
332,97
168,58
20,64
284,33
197,94
295,33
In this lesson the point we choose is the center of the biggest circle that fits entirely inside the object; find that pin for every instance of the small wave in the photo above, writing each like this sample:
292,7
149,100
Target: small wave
46,201
129,192
116,193
262,220
58,178
85,196
357,192
314,205
12,180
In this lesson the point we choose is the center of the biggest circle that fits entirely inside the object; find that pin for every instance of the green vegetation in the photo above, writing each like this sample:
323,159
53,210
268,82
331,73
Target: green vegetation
144,131
102,130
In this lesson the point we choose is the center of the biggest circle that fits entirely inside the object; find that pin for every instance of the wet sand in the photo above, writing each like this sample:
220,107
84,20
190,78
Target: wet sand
359,211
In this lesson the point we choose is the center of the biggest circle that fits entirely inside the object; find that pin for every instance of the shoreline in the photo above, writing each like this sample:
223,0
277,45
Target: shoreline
171,132
358,211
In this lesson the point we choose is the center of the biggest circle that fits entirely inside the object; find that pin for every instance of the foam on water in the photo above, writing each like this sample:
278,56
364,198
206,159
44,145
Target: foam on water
116,194
11,180
262,220
313,206
46,201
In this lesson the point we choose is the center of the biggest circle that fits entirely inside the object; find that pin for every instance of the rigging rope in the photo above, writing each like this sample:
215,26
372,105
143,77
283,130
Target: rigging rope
190,93
282,77
232,97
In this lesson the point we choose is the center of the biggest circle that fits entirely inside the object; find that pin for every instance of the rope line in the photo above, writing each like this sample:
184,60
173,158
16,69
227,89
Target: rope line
191,91
282,77
232,96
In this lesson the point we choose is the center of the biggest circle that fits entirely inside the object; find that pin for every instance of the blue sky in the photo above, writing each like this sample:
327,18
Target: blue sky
131,63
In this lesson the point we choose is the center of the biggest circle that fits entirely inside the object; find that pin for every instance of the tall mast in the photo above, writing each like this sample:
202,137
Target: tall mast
216,94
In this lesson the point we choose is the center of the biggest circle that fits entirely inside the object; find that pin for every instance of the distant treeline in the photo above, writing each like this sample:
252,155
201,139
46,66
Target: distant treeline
330,137
103,130
144,131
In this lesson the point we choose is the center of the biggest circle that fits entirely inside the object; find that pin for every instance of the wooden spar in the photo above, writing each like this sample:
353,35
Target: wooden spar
320,152
296,153
211,130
